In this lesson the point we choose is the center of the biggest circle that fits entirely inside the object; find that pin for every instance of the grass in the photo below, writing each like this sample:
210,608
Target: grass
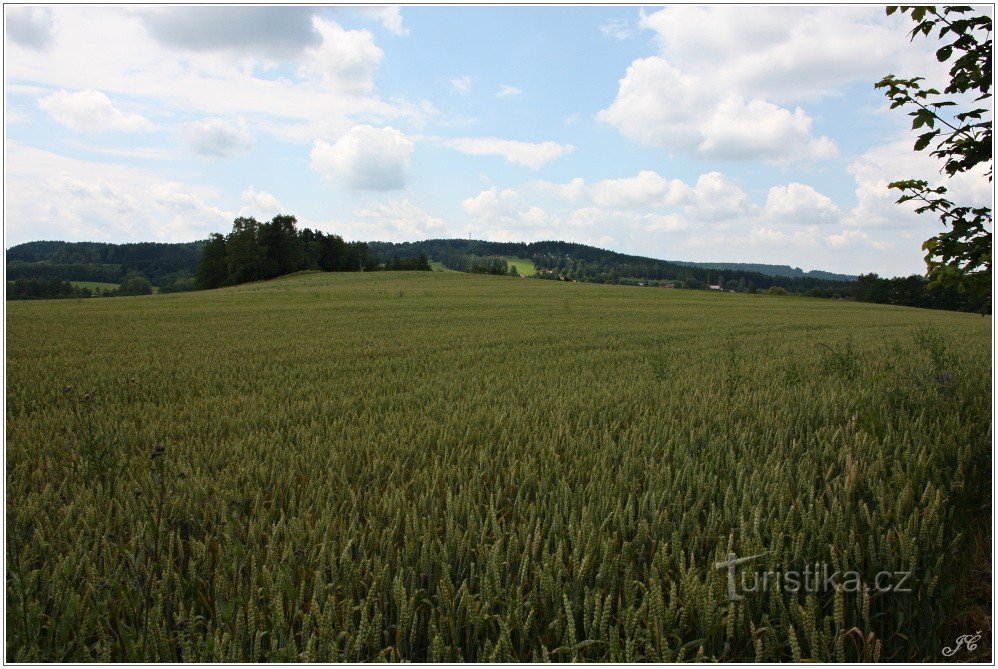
425,466
439,267
525,267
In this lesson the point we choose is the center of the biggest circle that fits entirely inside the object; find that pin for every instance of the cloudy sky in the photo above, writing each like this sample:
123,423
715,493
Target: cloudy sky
720,133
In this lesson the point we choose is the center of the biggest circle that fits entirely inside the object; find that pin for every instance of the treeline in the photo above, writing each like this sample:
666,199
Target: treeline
579,262
472,264
162,264
44,289
420,263
53,289
256,250
915,291
772,270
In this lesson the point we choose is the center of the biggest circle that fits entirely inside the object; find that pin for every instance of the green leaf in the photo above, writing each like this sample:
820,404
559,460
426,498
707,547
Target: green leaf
944,53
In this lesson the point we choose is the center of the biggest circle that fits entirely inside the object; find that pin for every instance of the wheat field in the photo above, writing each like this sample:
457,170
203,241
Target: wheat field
442,467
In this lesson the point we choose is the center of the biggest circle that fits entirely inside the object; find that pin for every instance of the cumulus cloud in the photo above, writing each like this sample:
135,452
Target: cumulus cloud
30,27
53,197
365,158
760,130
91,111
728,81
531,154
272,31
503,214
320,91
399,220
218,139
260,204
390,18
647,189
785,53
876,203
658,104
347,58
799,203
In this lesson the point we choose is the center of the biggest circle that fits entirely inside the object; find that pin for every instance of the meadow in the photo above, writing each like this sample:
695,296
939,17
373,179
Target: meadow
523,266
434,466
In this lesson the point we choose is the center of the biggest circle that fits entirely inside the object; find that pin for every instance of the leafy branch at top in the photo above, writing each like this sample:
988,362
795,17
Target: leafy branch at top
961,254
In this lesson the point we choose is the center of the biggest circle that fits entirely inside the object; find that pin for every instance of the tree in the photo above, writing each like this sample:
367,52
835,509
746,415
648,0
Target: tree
212,271
960,255
135,284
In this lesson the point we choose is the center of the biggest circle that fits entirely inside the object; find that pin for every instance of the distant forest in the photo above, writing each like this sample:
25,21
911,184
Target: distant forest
255,250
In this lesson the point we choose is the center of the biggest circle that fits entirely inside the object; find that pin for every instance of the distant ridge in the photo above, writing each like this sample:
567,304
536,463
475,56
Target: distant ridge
164,258
771,270
164,262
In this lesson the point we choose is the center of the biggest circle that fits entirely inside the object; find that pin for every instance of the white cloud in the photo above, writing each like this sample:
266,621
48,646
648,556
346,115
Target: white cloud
218,139
321,92
760,130
53,197
390,18
399,220
658,104
365,158
260,204
531,154
618,29
505,215
784,53
28,26
647,189
462,84
91,111
724,79
346,58
505,90
799,203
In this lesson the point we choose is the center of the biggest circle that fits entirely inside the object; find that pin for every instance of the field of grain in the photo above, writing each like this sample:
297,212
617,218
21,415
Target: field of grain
436,466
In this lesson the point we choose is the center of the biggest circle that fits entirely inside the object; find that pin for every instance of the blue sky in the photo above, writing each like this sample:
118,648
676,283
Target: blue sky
726,133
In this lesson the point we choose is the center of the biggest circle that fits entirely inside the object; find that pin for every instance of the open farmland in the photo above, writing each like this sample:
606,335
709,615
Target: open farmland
439,466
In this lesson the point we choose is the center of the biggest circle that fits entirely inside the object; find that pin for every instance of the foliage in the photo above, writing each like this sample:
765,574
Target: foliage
917,291
99,261
419,263
579,262
43,289
777,290
135,284
439,467
961,254
255,251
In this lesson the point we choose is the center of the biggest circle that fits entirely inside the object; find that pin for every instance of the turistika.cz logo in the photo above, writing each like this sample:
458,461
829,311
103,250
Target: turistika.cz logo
822,578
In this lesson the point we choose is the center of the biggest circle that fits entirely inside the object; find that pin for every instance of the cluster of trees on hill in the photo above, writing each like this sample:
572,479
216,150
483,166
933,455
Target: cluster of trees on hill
256,250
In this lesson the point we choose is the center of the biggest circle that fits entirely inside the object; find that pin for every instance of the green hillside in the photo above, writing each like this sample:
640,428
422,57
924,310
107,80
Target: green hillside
427,466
